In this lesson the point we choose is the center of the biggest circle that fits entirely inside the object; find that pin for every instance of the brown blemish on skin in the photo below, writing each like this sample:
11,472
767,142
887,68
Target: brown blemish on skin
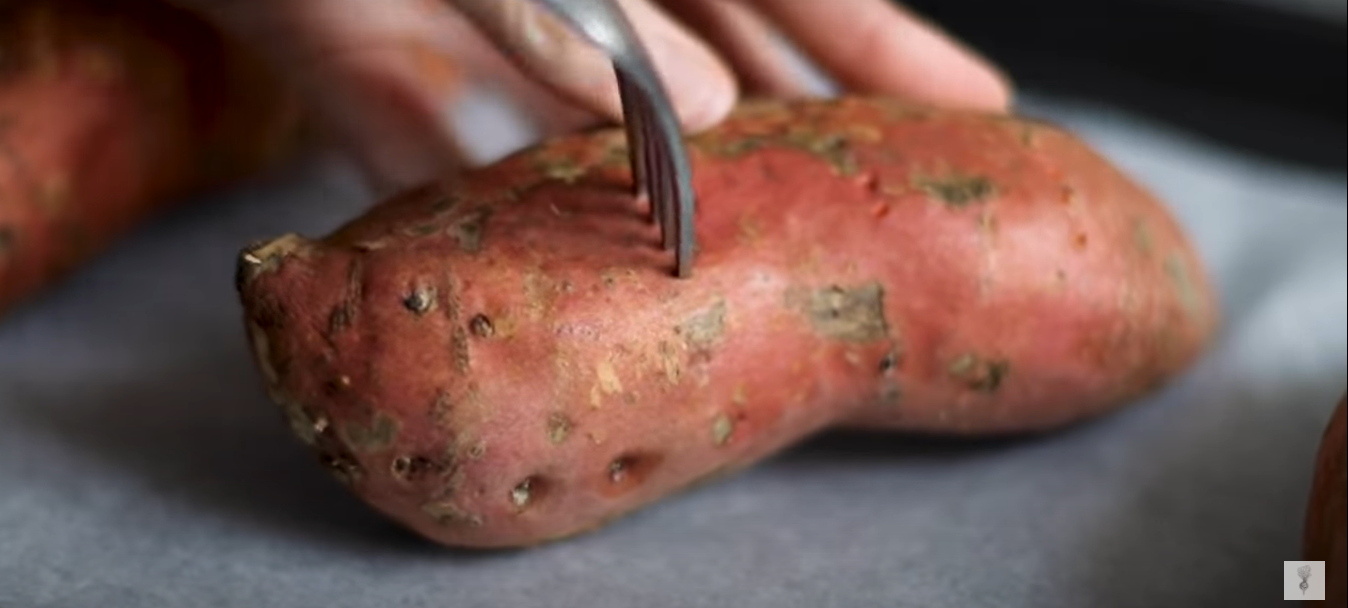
421,300
890,361
444,203
527,492
833,148
1142,238
984,375
559,427
890,188
377,435
721,429
614,144
7,240
344,314
704,328
1178,273
453,478
1027,135
608,378
468,231
480,325
987,224
421,230
103,67
627,471
333,455
447,513
412,468
536,295
762,108
262,354
451,303
478,451
890,394
669,362
458,344
750,230
617,470
303,426
342,465
54,194
368,246
567,171
558,166
337,385
256,259
958,190
440,408
853,314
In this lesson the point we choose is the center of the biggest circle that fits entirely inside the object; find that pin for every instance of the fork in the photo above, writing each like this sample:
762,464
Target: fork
660,167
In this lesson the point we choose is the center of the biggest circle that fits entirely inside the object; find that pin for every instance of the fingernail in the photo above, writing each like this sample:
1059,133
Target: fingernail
490,125
702,92
701,89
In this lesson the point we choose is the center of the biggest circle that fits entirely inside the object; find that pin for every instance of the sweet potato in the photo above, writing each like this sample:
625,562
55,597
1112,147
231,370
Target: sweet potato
1326,528
505,359
109,111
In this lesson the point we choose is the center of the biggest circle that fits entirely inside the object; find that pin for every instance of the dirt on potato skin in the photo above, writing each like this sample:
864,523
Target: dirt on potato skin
862,263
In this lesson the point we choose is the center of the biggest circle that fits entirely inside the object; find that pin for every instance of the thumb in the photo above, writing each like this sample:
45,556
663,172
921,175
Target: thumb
701,87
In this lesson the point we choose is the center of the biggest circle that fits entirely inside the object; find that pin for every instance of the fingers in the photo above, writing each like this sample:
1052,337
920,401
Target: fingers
378,75
875,46
385,76
750,45
701,86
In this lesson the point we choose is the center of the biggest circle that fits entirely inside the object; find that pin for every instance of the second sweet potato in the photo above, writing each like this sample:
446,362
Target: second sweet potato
1326,526
111,110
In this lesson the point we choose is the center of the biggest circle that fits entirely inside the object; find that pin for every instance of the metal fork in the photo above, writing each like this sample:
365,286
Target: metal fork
660,167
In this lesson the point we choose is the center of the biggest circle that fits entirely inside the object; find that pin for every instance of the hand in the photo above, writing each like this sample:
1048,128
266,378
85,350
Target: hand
384,74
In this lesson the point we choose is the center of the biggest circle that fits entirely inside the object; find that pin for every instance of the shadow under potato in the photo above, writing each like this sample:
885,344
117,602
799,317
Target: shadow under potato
202,431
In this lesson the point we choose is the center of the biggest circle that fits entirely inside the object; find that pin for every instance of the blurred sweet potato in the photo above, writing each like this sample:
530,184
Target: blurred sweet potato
110,110
1326,532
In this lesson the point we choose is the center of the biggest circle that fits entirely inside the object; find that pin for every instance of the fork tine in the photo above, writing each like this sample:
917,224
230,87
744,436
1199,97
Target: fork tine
663,184
644,155
650,151
636,136
660,166
681,199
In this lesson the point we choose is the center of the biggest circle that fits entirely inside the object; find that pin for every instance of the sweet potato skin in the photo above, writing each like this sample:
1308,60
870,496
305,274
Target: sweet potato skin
1326,528
506,360
111,110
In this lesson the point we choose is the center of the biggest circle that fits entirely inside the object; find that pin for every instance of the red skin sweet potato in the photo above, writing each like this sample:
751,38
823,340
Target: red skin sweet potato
111,110
508,360
1326,529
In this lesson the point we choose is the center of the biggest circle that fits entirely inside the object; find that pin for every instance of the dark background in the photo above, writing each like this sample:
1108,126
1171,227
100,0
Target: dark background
1265,80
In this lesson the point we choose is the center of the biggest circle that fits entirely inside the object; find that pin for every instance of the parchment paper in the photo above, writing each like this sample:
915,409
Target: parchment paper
142,466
